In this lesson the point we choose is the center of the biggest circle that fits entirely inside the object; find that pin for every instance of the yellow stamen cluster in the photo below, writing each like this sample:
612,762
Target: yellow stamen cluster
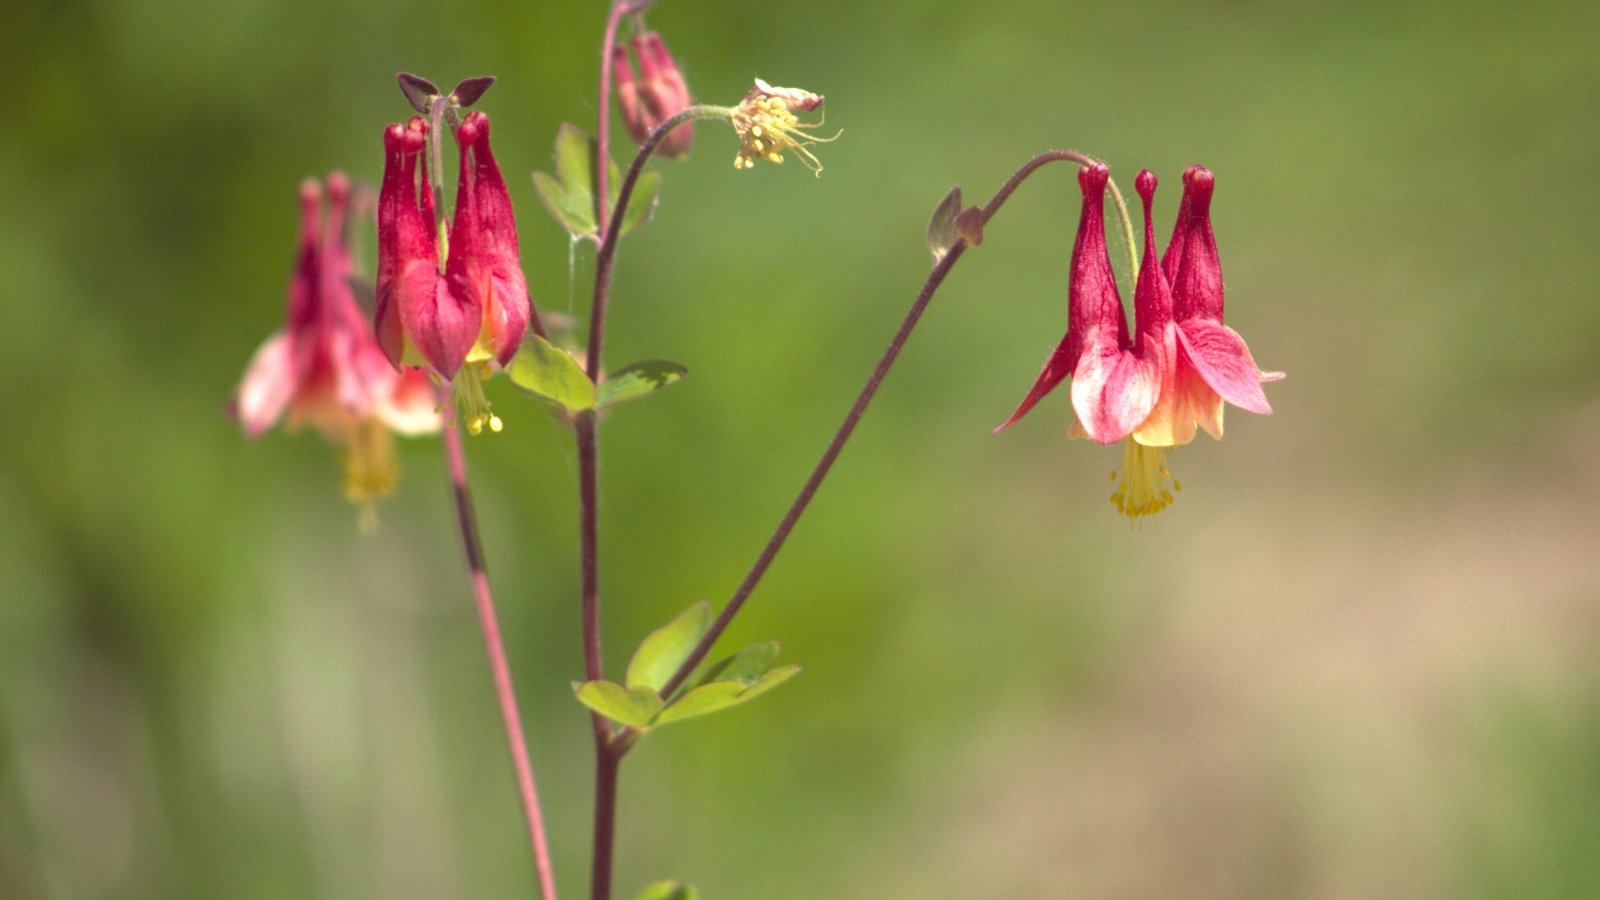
1142,481
474,404
370,470
767,126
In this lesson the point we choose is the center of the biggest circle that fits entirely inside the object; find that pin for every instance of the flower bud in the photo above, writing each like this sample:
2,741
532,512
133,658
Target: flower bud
657,95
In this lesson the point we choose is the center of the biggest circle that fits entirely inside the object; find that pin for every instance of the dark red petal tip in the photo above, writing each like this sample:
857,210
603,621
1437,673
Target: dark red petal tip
1145,184
473,128
1093,178
1198,183
338,188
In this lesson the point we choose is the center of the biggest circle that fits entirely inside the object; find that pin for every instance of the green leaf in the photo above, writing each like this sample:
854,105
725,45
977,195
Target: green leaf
569,195
571,210
769,681
630,706
719,695
942,233
637,380
575,158
547,371
707,698
669,890
664,650
643,201
747,665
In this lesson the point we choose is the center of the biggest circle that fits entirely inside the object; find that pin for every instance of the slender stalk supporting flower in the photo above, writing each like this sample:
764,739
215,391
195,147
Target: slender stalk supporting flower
477,573
835,446
607,757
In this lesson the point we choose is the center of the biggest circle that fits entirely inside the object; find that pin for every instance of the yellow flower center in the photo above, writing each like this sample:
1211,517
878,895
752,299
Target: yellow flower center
767,127
1142,481
470,398
370,470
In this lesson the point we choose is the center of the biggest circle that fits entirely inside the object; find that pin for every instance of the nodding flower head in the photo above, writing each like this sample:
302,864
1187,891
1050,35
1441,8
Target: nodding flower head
1213,364
1152,388
457,303
659,93
767,126
325,369
1114,378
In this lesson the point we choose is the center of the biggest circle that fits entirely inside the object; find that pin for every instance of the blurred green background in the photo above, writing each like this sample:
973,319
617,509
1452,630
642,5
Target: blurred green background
1358,658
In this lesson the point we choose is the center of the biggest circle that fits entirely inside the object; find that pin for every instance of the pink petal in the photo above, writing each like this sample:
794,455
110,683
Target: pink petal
1221,358
1113,391
443,324
1057,367
269,383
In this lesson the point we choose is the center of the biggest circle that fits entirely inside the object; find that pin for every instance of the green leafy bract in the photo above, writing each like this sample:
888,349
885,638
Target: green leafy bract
942,232
638,380
550,373
637,707
569,194
669,890
664,650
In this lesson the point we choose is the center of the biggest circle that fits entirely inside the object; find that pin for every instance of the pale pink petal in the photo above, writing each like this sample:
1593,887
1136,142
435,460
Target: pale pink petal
1113,391
1220,356
268,385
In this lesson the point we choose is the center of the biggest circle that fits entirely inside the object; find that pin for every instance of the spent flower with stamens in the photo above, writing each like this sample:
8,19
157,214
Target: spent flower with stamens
767,126
325,369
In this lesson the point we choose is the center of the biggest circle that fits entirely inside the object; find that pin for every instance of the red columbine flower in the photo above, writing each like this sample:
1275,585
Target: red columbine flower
659,94
325,369
1181,362
465,308
1213,363
1115,381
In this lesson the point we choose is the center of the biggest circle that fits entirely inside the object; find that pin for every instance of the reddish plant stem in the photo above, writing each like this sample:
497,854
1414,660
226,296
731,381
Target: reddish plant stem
478,575
602,129
848,426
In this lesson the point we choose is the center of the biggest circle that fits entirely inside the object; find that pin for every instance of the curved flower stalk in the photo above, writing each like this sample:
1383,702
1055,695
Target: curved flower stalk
457,303
324,368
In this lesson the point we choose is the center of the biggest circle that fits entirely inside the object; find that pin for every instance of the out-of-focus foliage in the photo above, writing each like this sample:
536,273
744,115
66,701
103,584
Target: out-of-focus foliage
1355,659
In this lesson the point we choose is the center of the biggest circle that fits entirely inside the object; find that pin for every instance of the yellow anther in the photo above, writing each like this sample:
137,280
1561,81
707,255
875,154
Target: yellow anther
1144,478
495,424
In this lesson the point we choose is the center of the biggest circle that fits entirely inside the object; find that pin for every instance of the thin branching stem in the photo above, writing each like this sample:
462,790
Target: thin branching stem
478,576
829,455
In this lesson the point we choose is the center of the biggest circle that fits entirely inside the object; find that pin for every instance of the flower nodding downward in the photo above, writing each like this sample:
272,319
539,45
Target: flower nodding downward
767,126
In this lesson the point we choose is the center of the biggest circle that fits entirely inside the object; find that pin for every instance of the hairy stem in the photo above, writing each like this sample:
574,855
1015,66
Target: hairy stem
602,128
477,574
848,426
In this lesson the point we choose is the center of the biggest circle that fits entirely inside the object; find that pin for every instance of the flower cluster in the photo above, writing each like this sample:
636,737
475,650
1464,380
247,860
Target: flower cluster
659,94
1153,387
766,124
452,299
324,368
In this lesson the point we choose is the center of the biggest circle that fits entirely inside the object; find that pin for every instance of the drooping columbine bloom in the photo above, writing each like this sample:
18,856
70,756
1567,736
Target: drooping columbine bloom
1181,362
1115,380
324,369
459,301
767,125
659,93
1213,362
